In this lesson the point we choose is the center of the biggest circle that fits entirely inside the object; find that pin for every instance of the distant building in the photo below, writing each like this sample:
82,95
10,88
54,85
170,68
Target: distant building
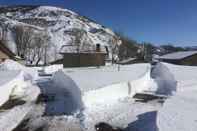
5,53
181,58
91,55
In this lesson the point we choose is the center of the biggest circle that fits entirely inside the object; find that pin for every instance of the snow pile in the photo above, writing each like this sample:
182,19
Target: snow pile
123,113
137,78
62,81
11,84
105,75
14,86
164,78
10,65
157,80
178,71
178,112
10,118
145,83
108,94
113,104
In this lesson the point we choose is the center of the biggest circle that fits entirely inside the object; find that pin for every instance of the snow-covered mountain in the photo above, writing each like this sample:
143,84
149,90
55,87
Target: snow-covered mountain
59,24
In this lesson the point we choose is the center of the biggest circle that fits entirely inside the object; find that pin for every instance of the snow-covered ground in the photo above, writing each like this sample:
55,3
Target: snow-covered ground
80,98
15,85
10,80
121,110
10,118
178,112
92,78
179,109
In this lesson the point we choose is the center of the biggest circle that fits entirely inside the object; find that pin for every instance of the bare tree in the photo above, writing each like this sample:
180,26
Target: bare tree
114,46
40,47
3,33
23,39
32,44
78,40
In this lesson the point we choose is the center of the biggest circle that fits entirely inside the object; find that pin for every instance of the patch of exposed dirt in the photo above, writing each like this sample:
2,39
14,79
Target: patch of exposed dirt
11,103
22,126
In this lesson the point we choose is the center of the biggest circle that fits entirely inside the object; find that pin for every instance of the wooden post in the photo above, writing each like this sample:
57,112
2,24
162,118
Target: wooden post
129,88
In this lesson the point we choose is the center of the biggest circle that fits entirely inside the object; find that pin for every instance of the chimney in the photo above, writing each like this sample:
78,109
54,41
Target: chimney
98,48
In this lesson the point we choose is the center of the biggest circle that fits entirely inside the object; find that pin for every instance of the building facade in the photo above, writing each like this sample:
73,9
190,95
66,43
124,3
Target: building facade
181,58
83,57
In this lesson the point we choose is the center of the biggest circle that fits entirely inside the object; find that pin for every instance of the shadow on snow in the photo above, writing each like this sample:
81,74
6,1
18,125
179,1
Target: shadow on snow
146,122
58,101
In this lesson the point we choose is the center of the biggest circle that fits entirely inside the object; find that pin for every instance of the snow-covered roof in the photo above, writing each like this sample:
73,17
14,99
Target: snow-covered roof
85,49
127,60
178,55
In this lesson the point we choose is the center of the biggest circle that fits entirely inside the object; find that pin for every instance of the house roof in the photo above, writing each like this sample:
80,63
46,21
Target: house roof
85,49
178,55
8,52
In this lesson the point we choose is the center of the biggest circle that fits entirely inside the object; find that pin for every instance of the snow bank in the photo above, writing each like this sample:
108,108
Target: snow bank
13,86
164,79
108,94
105,76
114,92
29,73
121,113
61,80
178,71
157,80
145,83
9,119
179,112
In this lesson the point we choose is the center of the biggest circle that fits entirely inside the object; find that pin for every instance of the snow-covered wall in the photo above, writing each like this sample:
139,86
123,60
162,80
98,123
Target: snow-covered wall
107,94
114,92
158,80
61,80
105,76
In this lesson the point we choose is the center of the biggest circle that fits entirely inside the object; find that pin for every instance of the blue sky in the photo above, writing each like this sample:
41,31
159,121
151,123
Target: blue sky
156,21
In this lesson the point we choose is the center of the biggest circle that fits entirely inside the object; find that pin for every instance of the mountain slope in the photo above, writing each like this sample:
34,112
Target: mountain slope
60,25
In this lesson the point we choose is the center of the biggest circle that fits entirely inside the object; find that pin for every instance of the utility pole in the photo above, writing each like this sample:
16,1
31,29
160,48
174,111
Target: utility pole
145,51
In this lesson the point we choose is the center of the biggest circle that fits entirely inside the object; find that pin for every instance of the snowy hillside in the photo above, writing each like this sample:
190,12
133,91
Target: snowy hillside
60,25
